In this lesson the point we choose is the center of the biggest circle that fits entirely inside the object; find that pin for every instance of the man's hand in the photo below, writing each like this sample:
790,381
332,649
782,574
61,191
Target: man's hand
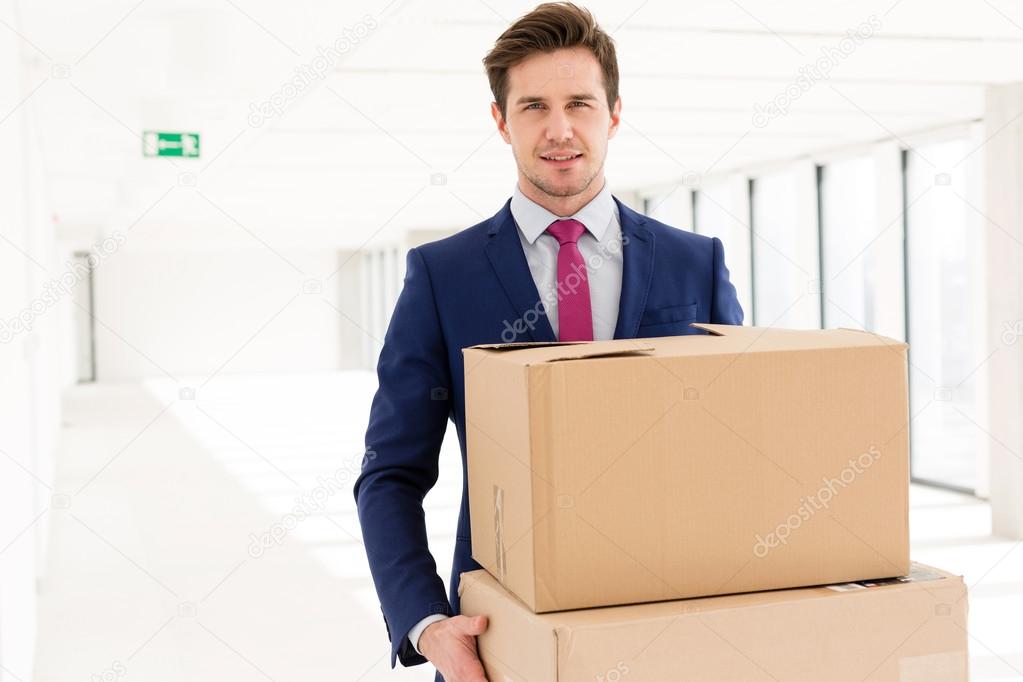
450,645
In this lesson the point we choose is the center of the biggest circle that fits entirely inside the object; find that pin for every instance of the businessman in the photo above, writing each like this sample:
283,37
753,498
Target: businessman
562,260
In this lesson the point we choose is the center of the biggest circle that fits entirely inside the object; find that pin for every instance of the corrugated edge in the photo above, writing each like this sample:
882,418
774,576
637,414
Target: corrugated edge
542,447
555,641
902,350
531,372
562,644
500,549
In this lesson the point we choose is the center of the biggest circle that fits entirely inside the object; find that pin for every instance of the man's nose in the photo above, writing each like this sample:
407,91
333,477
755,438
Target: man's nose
559,127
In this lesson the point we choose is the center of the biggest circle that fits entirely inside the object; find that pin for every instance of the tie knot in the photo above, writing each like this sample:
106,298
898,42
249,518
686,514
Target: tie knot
566,231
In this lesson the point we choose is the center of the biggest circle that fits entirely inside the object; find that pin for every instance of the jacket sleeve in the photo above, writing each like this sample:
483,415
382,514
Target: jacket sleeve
725,308
407,421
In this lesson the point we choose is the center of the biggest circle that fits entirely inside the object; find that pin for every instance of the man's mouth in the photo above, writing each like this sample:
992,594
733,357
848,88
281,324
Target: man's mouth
561,159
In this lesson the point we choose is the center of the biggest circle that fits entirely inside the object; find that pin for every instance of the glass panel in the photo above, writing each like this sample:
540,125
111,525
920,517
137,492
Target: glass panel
946,275
670,206
785,254
861,251
722,211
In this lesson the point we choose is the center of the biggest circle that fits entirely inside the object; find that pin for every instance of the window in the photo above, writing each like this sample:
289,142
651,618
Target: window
786,261
946,275
721,210
670,206
861,245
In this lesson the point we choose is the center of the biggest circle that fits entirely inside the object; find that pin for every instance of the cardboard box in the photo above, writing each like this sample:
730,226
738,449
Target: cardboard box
911,631
619,472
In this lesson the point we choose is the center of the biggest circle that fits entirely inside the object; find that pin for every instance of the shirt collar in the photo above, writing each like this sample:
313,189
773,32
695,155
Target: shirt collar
533,219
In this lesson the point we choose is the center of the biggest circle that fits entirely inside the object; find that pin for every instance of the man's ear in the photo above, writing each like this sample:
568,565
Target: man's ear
502,125
616,118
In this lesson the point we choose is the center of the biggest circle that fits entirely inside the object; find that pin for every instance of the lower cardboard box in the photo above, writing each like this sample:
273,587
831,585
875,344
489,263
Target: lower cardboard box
908,629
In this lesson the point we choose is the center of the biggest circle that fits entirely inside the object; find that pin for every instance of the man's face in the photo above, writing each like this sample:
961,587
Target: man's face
557,107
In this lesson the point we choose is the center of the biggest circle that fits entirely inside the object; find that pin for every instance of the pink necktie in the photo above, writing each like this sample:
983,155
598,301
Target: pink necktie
575,318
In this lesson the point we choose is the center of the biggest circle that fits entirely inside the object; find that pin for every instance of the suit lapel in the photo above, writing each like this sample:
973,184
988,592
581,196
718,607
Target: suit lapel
637,271
504,251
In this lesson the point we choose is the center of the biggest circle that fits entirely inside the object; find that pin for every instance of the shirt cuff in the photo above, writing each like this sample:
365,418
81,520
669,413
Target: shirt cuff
417,629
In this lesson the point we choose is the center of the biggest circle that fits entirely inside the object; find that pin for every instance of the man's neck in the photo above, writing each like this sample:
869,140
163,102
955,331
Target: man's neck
561,206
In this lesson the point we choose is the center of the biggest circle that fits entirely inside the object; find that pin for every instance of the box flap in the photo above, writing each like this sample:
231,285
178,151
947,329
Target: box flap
515,345
582,352
715,329
881,340
557,351
799,339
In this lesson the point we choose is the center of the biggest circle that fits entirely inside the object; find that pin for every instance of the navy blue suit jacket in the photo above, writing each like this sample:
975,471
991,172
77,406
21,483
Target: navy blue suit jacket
475,287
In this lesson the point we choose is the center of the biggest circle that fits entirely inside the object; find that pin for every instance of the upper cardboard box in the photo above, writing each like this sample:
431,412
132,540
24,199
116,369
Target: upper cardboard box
633,470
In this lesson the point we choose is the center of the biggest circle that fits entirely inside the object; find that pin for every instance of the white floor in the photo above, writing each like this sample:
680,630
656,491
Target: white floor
153,573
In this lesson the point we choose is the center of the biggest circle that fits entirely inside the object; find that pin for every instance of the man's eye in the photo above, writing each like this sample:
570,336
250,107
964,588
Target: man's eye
540,104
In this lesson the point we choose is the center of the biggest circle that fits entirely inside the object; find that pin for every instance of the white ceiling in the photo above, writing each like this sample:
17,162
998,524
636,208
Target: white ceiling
351,158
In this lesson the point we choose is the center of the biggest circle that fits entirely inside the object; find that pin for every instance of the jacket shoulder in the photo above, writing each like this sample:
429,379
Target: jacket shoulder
457,243
674,237
469,239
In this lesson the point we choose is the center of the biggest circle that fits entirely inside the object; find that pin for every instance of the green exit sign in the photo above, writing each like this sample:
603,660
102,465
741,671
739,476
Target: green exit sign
155,143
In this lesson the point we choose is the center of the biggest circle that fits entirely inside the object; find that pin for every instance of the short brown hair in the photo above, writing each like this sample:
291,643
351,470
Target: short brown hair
549,27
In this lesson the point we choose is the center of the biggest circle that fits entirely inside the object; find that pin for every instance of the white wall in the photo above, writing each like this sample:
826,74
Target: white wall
1003,222
171,312
29,380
